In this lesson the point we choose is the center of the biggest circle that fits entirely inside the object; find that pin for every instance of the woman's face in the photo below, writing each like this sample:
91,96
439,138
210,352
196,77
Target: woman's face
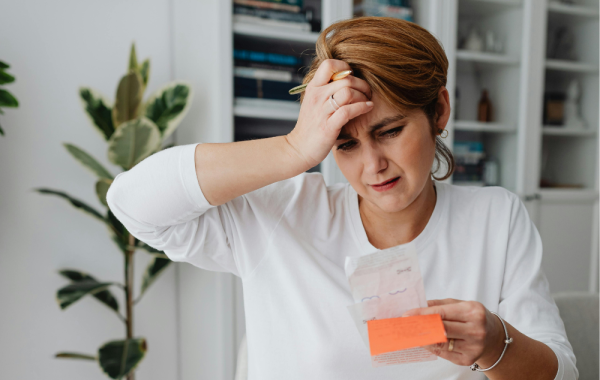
384,144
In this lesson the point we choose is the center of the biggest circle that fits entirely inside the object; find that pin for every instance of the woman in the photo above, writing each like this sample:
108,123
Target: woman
250,209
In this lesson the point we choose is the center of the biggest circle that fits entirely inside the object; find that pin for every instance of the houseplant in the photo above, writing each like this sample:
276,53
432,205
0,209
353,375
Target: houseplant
6,98
134,130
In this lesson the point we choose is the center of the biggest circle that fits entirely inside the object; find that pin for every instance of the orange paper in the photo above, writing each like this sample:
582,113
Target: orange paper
395,334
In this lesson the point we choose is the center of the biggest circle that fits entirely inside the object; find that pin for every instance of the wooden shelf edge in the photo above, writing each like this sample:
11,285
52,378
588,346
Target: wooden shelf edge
556,64
274,33
485,57
566,131
476,126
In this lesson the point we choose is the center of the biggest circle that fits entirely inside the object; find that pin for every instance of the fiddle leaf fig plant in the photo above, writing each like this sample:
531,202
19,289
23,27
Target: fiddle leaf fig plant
6,98
133,130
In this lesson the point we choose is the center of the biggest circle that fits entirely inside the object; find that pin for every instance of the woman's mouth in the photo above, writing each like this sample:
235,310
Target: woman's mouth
386,185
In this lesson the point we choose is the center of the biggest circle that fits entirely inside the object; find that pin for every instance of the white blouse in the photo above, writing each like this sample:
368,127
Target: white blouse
288,241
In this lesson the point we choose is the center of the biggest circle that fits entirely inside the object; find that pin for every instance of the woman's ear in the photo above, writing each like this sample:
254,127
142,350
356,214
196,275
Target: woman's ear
442,109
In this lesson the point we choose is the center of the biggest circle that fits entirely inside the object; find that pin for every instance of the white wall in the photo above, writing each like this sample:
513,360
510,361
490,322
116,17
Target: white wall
54,47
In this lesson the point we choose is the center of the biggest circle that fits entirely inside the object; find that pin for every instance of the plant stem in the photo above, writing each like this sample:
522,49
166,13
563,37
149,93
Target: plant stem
129,294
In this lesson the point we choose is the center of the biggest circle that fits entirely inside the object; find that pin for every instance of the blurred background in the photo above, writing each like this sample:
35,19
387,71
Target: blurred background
523,78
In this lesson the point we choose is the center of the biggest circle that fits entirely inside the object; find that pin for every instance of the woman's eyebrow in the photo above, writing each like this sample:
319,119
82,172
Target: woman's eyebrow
373,128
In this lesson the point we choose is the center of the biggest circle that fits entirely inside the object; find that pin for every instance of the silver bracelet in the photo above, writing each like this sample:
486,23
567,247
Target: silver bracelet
507,341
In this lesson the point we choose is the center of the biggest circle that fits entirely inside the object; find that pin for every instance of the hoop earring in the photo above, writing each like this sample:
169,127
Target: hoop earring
441,132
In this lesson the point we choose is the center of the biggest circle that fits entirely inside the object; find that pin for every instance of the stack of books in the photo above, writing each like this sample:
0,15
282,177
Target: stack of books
469,157
401,9
272,13
264,75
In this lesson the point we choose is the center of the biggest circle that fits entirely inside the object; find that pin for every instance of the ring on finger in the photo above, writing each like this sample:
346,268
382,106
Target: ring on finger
451,345
333,103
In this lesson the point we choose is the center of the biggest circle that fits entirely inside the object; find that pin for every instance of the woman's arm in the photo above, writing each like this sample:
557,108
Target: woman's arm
228,170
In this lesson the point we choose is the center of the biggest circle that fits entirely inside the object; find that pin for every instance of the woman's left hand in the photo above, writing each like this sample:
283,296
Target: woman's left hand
478,334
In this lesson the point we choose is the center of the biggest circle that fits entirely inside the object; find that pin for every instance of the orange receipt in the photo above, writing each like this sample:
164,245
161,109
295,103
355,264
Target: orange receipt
395,334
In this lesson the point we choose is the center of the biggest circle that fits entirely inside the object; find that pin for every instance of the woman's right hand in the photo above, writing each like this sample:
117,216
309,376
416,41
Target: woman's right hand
319,124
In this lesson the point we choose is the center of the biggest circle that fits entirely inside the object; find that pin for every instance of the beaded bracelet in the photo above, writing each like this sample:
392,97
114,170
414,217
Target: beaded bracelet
507,341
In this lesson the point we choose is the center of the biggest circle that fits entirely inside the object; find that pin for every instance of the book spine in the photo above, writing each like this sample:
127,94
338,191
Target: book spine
269,14
272,58
264,89
274,75
304,26
269,5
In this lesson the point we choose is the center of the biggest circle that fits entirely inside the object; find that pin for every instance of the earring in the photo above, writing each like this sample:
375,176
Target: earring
441,132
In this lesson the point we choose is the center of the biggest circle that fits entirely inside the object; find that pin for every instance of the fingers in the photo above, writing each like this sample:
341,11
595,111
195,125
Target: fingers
344,97
446,301
346,113
449,312
326,69
350,81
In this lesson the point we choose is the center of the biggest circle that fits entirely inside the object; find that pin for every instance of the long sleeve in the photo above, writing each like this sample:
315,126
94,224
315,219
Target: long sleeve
526,301
161,203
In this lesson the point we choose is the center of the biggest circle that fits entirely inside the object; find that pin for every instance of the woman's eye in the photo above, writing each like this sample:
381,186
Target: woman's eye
346,146
392,132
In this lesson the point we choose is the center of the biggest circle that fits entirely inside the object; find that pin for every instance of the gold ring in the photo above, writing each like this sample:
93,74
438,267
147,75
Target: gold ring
451,345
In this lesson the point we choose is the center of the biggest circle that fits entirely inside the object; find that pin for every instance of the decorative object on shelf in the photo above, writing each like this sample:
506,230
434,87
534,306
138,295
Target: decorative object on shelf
491,173
474,41
484,109
493,43
134,131
561,43
6,98
283,5
572,114
401,9
554,108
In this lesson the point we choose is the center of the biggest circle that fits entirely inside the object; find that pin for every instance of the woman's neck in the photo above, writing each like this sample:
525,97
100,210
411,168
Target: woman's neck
386,230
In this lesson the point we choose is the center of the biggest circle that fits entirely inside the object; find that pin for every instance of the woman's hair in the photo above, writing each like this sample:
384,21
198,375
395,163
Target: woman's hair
400,60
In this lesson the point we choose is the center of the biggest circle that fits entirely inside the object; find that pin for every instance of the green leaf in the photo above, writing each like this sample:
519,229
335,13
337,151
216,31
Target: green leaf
4,65
6,77
118,358
88,161
132,142
133,65
128,98
102,186
75,355
144,71
98,110
167,106
75,202
7,100
72,293
104,296
119,233
154,269
1,131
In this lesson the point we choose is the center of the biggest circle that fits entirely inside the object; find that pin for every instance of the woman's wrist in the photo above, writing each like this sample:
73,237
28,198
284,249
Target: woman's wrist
495,344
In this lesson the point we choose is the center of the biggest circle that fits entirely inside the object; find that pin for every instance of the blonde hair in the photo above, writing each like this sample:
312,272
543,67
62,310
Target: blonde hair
400,60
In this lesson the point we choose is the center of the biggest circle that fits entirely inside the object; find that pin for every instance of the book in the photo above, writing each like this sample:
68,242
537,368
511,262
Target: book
254,20
273,14
264,57
258,73
262,88
284,5
375,8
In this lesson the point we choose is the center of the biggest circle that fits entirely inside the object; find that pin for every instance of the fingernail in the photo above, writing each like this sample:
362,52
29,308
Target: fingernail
369,104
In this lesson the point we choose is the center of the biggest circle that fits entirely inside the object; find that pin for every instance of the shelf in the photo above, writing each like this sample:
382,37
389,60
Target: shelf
266,109
468,183
484,57
562,194
479,7
275,33
550,130
555,64
476,126
574,10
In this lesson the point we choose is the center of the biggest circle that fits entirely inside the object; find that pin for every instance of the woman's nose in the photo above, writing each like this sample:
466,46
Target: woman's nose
374,158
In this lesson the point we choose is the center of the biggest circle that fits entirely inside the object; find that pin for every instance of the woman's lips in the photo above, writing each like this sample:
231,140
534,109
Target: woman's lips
386,186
